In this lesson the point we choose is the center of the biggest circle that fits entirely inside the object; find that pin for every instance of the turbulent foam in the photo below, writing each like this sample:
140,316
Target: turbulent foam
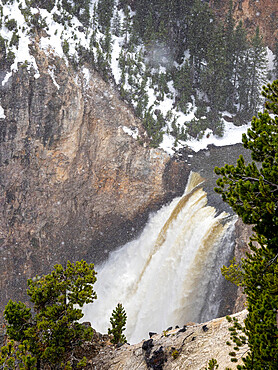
162,278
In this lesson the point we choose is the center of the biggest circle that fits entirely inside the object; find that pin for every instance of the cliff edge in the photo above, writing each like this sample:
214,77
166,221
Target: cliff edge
187,348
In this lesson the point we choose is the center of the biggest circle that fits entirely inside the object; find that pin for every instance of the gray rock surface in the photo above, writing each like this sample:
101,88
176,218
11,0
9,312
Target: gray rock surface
189,350
73,184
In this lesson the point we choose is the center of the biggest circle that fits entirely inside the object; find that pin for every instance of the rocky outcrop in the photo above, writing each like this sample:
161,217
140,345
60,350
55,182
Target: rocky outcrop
188,348
73,183
253,13
242,239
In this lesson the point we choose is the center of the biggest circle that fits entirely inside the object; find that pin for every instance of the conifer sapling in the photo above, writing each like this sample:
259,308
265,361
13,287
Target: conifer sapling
118,321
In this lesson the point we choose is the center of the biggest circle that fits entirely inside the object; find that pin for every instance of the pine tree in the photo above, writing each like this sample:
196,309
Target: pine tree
229,66
183,83
257,70
118,321
94,22
143,9
239,66
212,77
250,74
51,330
105,13
116,26
258,275
260,282
252,192
243,89
107,45
126,27
200,31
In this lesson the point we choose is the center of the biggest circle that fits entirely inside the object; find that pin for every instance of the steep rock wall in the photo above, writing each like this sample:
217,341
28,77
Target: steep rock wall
253,13
73,184
244,233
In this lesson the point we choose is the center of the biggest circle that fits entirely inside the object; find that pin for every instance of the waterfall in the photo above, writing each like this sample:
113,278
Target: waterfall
170,274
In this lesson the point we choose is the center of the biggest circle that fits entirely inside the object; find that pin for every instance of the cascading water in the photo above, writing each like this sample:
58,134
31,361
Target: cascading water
162,278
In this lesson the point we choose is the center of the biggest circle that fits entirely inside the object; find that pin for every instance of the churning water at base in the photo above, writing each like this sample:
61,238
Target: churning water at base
170,274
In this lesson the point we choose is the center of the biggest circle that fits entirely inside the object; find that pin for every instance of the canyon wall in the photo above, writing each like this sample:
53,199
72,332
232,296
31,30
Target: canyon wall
73,183
253,13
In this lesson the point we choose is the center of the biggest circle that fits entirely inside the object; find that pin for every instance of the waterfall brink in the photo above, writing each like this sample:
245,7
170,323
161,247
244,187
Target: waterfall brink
193,183
170,275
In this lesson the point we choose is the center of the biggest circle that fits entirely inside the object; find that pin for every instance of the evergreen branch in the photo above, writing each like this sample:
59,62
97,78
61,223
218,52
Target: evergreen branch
248,349
264,180
271,262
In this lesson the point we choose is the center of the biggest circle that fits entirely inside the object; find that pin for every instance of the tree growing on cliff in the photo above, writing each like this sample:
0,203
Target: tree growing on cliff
51,329
118,321
252,191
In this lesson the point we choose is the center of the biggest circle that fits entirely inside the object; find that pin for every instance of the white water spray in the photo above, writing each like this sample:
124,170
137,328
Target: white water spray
162,278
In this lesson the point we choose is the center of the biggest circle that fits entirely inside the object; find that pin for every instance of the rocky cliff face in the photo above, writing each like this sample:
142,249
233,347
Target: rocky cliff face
253,13
188,348
242,239
73,183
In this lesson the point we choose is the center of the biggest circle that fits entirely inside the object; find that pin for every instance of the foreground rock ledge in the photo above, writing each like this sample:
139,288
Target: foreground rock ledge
195,347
